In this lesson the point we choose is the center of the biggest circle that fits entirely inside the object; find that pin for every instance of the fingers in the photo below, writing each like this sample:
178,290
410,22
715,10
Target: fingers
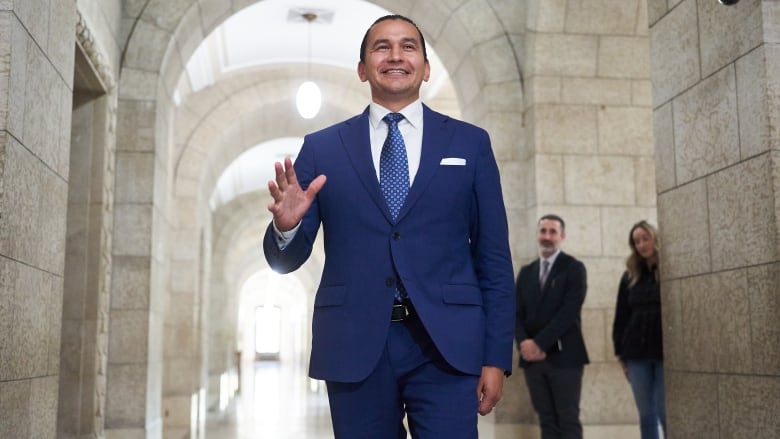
531,352
289,172
276,194
285,174
487,403
315,186
484,408
489,388
281,179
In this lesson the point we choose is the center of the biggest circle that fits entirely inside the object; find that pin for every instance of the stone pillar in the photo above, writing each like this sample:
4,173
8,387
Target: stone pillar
87,282
37,41
716,76
185,325
138,294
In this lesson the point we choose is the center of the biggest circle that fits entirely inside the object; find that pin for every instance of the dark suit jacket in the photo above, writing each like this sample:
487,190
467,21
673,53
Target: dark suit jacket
449,245
550,314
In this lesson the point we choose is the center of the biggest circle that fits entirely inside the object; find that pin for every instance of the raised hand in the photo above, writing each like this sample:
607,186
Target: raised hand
290,201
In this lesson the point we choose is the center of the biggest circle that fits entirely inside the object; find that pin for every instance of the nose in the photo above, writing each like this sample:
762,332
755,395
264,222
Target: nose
395,52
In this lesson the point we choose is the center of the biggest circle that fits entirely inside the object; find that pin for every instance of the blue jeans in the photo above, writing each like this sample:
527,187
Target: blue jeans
647,383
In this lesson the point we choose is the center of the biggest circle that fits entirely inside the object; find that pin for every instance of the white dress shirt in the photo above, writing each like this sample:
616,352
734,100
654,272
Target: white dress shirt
411,127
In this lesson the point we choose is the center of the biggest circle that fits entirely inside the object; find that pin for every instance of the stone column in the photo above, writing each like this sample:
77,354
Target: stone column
716,76
87,281
138,295
37,41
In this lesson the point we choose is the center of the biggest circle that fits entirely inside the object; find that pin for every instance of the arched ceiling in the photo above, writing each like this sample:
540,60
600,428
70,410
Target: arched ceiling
261,54
274,32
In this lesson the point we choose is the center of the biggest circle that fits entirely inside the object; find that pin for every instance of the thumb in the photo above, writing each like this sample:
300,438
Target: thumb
316,185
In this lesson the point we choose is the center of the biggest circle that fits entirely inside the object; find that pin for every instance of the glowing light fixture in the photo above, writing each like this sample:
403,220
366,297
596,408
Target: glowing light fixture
309,98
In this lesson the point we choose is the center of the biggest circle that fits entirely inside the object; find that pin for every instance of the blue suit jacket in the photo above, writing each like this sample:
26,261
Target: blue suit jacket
449,246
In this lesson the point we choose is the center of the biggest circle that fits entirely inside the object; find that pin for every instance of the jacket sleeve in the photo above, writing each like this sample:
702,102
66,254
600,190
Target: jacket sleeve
622,315
492,260
520,332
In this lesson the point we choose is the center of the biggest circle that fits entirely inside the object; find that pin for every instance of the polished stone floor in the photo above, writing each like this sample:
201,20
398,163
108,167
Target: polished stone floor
278,401
275,401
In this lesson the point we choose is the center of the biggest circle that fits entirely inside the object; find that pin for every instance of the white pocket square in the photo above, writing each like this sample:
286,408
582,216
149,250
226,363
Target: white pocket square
453,161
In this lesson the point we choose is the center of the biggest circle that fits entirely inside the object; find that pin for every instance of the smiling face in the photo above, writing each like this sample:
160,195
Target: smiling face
644,243
395,64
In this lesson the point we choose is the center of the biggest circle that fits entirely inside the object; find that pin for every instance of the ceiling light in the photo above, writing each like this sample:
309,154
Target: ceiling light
309,98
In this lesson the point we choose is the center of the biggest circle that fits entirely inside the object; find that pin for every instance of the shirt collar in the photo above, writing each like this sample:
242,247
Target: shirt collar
552,258
413,113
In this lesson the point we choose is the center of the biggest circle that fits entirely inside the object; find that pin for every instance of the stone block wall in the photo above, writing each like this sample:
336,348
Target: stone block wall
36,71
716,95
589,158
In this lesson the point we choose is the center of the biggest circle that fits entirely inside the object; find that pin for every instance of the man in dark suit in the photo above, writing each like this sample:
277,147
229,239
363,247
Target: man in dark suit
550,292
414,312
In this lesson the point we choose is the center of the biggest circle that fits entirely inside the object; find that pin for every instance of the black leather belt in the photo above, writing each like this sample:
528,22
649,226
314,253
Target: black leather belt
402,311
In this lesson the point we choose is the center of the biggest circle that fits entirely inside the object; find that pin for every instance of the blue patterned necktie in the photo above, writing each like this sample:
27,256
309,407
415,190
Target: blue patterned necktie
393,166
394,176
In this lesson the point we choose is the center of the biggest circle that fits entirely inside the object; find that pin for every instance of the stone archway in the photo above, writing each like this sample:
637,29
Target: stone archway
164,36
558,84
581,80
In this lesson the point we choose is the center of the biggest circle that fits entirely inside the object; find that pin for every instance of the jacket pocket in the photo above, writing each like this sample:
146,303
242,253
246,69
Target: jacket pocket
461,294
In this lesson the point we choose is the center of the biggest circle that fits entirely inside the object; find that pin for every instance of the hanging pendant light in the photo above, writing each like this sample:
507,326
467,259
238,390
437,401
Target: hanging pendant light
309,98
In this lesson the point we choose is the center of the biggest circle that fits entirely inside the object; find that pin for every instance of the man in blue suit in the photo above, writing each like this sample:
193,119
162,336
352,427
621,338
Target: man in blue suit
550,293
414,314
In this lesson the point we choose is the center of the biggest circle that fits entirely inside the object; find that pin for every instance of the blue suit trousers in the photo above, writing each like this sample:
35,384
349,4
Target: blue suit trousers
412,379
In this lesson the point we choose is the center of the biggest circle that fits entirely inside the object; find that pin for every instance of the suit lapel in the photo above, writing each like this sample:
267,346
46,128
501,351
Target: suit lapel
436,138
536,289
556,268
357,144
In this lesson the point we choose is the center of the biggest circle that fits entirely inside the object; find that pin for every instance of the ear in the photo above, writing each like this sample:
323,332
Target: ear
361,71
427,71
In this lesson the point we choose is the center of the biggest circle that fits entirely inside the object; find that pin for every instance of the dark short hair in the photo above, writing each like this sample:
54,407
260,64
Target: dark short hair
553,217
385,18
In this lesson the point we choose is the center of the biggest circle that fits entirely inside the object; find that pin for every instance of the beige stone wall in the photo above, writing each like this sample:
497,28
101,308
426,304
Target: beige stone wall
88,259
484,47
563,87
589,158
36,70
716,95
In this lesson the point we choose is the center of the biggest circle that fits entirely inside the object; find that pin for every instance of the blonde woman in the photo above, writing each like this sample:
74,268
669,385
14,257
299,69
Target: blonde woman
636,331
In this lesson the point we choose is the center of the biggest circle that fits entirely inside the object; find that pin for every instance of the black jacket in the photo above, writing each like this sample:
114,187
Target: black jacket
637,330
550,314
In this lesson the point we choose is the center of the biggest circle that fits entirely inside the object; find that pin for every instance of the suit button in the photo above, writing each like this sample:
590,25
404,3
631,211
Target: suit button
396,236
390,281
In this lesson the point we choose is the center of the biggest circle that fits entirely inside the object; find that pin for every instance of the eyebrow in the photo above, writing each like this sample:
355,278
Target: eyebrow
403,40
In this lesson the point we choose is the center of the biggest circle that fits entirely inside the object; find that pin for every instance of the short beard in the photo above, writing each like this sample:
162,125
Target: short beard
547,248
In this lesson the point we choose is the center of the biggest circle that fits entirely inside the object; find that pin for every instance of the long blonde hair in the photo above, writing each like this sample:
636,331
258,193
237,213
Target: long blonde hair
635,261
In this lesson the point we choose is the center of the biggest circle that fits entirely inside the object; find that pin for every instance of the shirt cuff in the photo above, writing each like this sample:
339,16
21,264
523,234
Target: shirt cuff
283,238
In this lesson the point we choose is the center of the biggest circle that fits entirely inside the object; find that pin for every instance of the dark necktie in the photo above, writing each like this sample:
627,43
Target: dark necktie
393,166
545,271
